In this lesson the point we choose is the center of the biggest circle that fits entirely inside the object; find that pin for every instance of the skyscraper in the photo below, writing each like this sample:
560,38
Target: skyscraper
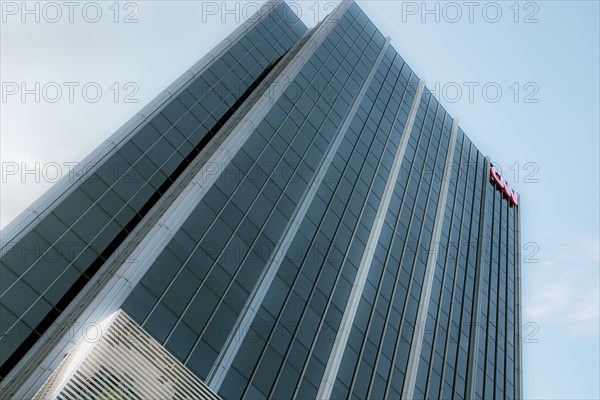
295,217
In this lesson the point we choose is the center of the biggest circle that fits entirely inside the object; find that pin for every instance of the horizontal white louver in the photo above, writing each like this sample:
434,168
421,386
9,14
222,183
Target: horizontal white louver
122,362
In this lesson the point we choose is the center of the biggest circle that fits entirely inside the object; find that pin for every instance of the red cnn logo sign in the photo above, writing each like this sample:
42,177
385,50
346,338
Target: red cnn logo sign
503,184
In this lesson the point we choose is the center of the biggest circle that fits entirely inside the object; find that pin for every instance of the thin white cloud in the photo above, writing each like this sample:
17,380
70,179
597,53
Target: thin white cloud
565,289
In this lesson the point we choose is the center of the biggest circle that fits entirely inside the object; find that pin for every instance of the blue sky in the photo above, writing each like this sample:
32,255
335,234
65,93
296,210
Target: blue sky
534,72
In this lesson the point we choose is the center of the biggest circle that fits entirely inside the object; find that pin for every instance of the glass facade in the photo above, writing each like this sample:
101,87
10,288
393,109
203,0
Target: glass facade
352,246
45,268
